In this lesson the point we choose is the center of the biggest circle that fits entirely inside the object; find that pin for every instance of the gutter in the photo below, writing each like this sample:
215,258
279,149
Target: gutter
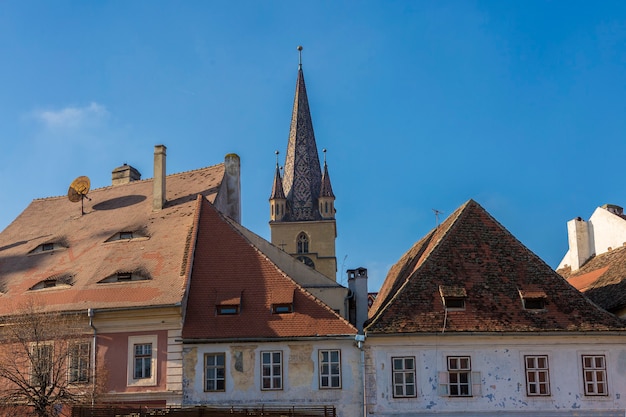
267,339
91,313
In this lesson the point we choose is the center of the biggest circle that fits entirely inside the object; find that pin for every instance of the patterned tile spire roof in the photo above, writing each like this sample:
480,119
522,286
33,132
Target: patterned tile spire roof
303,177
277,187
472,257
327,189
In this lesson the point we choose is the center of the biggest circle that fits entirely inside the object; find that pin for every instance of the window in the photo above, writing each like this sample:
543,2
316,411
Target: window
142,360
282,308
227,310
330,368
41,365
534,303
79,363
126,235
302,243
47,246
272,370
453,297
459,382
455,303
594,375
126,276
537,376
403,375
214,372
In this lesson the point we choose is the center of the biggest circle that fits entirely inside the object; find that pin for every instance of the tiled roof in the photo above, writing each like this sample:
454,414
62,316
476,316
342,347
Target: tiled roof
602,279
472,251
327,189
226,261
86,248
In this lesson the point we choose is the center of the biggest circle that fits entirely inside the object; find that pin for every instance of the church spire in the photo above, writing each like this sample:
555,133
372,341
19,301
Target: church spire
303,177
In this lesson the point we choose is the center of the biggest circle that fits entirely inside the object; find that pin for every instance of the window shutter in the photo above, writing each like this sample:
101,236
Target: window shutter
443,384
476,384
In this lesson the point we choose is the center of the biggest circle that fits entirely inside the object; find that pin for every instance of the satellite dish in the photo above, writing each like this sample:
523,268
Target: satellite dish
78,191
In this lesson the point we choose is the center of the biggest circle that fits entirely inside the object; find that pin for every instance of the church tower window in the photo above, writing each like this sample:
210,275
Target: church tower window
302,243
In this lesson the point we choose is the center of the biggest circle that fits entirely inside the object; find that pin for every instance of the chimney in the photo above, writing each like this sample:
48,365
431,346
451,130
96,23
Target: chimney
158,186
579,242
228,200
357,283
124,175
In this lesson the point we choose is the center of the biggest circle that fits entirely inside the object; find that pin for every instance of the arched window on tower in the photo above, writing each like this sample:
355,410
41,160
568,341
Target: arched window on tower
302,243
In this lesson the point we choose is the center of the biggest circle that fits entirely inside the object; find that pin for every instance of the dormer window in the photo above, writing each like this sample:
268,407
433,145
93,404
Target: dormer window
48,247
227,310
282,308
227,302
125,276
453,297
533,300
127,235
57,281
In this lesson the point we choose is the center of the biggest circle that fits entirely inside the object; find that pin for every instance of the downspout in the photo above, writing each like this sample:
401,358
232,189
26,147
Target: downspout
360,340
91,313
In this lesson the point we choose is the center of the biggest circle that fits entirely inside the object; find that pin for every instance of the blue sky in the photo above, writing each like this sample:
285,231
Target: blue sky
422,105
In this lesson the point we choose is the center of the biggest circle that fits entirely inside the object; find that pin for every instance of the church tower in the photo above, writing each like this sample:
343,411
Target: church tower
302,203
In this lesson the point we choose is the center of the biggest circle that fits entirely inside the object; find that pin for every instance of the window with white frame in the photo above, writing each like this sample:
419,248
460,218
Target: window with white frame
272,370
537,375
459,380
330,368
403,375
214,372
41,364
79,360
142,360
594,375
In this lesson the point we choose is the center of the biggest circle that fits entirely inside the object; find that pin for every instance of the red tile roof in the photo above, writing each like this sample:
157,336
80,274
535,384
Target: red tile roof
226,261
602,278
473,251
88,258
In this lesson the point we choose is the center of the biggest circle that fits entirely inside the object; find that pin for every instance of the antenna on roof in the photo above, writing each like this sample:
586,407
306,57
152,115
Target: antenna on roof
437,213
78,191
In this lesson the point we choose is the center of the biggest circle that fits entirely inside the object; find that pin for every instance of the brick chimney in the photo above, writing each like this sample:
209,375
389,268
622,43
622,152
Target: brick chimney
124,175
158,186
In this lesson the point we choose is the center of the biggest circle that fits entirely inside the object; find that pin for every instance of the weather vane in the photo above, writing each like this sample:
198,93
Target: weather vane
299,56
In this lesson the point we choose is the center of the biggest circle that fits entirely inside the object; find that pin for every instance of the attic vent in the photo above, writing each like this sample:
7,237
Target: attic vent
127,235
125,277
55,281
533,300
49,247
453,297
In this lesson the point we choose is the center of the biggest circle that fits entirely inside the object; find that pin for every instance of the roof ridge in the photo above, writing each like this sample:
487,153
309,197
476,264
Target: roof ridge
105,187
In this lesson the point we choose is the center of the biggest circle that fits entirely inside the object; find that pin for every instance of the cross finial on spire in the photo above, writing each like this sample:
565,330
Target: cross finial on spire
299,56
324,150
276,152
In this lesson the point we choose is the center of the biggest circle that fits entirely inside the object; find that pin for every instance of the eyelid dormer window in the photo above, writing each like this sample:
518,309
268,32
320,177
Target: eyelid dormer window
125,276
48,247
56,281
128,235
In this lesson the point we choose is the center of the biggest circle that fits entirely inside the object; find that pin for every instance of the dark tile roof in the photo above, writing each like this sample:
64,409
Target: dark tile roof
277,187
226,262
602,279
472,252
86,250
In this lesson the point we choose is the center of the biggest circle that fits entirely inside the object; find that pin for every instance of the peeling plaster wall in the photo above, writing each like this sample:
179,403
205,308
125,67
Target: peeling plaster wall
300,376
500,361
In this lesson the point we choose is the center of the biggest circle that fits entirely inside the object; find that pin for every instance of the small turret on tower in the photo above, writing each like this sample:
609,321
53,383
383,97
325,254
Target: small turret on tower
277,199
326,198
